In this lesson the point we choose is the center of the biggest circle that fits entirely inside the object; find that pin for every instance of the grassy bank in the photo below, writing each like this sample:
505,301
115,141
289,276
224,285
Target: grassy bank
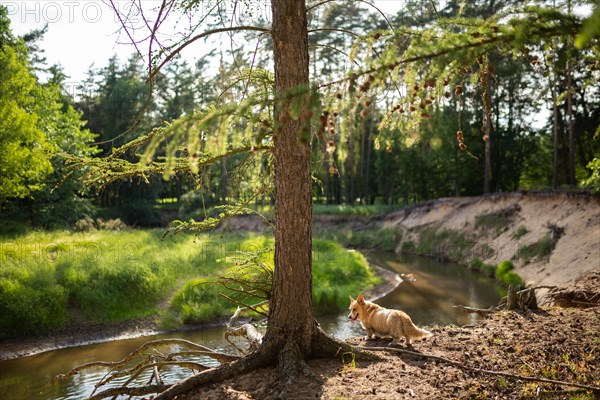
51,279
445,245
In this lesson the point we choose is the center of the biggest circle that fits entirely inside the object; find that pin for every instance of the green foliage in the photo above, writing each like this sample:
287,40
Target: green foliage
497,221
593,181
111,276
36,126
539,249
24,148
590,29
520,232
108,276
443,244
488,270
358,210
504,272
30,303
336,272
381,238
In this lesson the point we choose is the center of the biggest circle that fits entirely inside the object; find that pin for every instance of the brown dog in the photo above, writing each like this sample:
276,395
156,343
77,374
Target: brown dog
382,322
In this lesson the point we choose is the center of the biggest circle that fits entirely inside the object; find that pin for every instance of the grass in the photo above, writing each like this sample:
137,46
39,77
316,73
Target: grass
539,249
520,232
336,273
497,221
477,265
105,277
385,239
444,244
360,210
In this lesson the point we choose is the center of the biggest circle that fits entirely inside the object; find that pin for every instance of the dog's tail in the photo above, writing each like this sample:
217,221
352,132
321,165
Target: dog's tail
416,333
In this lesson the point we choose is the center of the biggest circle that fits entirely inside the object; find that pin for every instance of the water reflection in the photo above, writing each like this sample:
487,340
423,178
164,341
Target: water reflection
436,288
428,300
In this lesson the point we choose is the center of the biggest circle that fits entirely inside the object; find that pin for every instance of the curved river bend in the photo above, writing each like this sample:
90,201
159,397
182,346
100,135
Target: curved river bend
428,300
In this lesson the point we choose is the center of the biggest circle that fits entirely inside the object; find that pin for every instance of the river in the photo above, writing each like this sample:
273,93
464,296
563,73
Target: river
427,297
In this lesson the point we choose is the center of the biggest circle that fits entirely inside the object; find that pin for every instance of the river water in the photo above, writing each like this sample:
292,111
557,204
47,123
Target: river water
428,298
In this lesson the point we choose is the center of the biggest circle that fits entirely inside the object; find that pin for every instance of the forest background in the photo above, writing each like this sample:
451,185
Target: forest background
544,134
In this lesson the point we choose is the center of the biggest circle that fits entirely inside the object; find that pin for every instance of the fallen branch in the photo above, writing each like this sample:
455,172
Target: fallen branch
249,332
460,365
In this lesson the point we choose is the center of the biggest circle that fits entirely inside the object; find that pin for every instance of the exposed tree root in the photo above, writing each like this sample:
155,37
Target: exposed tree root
130,391
258,359
201,350
462,366
324,346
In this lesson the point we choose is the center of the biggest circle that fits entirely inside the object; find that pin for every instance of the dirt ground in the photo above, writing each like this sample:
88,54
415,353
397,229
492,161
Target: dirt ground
552,343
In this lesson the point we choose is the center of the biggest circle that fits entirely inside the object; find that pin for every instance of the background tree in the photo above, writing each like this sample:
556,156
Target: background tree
37,123
22,142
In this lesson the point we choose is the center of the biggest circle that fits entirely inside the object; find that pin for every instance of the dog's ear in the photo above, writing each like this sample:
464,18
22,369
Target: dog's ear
351,299
360,299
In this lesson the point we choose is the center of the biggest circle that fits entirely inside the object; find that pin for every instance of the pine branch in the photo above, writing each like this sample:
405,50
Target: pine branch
178,50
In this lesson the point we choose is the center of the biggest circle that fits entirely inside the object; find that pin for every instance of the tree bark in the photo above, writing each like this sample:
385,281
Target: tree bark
291,322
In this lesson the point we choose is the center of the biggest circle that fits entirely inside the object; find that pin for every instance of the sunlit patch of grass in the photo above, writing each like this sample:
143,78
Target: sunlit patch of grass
110,276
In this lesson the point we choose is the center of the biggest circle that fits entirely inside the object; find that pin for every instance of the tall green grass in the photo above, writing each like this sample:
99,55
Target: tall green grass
51,279
337,272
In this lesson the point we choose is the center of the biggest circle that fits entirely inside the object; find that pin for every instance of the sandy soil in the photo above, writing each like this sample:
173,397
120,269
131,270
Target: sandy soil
552,343
576,252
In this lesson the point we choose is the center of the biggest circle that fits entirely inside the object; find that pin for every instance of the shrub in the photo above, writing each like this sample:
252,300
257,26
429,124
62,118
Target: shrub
111,224
505,274
476,264
27,310
592,183
85,224
503,268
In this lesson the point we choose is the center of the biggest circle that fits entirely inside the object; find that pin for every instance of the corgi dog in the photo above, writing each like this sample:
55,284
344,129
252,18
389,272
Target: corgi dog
383,322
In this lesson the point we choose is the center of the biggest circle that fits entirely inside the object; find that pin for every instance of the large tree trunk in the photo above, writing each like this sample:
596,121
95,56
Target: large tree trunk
291,321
